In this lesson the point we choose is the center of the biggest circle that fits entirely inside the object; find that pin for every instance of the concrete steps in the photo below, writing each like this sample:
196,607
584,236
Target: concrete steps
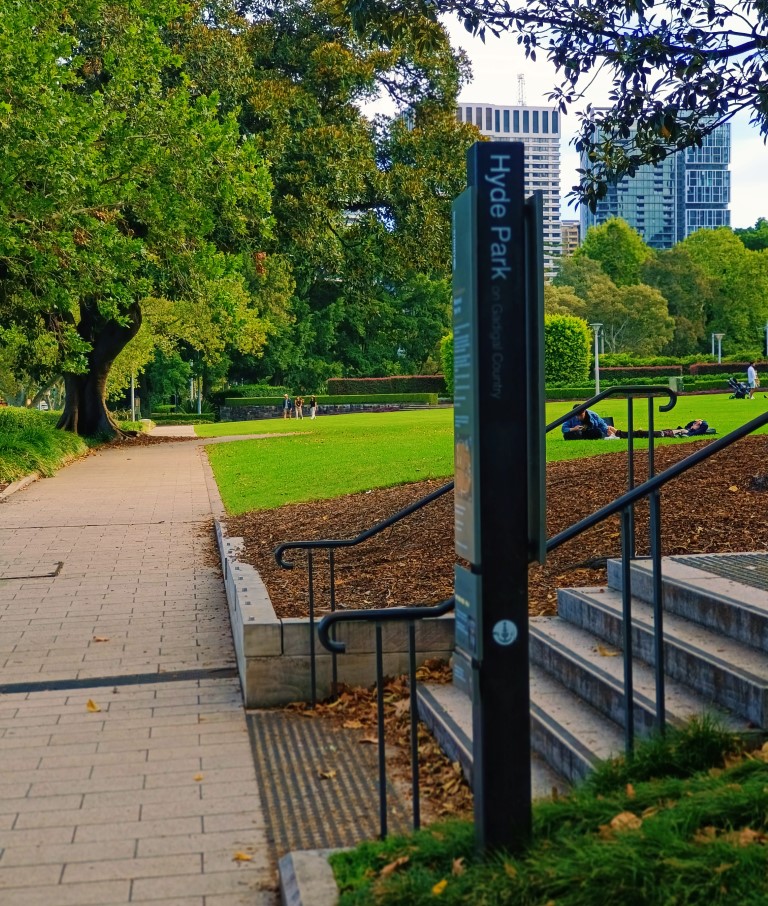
715,659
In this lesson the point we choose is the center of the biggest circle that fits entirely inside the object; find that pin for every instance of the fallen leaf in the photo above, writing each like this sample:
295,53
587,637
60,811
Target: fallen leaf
402,707
198,777
392,867
369,740
458,867
242,857
100,638
626,821
91,705
606,652
326,775
510,870
733,489
439,888
352,725
705,834
630,791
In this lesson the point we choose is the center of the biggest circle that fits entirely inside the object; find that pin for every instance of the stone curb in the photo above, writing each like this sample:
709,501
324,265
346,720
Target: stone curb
18,485
306,879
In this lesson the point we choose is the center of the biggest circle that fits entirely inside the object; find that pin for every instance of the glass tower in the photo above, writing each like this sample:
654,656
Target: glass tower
668,201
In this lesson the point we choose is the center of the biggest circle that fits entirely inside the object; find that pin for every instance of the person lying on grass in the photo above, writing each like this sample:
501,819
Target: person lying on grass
588,425
692,429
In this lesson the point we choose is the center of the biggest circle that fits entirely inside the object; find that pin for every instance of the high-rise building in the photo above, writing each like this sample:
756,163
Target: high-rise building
570,231
668,201
538,128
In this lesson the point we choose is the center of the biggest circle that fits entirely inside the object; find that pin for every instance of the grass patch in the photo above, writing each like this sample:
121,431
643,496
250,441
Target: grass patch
330,456
30,442
694,836
342,454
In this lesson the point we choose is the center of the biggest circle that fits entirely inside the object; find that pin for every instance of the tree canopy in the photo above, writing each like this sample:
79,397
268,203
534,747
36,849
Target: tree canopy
121,191
678,70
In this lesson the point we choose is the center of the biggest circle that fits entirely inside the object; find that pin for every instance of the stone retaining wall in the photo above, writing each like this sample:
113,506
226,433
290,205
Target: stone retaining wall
273,656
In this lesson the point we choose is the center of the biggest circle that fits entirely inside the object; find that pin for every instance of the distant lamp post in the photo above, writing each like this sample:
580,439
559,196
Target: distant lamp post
766,339
713,346
596,328
719,338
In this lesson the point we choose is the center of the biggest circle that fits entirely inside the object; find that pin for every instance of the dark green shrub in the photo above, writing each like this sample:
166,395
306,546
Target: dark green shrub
446,357
396,383
566,349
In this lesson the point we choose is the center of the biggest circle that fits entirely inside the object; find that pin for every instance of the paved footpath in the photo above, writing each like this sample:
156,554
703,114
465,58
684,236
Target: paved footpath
127,773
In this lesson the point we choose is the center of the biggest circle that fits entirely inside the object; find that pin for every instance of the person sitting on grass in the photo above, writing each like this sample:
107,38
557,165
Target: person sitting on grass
587,425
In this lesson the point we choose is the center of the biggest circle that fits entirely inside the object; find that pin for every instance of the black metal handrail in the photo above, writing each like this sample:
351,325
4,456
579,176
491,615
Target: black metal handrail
632,392
624,506
331,545
379,616
363,536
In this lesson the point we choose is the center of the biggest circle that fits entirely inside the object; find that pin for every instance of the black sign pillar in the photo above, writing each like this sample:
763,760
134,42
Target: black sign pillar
498,400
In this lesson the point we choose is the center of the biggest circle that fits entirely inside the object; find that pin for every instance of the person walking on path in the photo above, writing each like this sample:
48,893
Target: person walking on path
752,379
312,406
299,407
287,406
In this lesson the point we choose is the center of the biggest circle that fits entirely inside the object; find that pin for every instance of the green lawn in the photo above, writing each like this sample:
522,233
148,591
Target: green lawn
328,457
343,454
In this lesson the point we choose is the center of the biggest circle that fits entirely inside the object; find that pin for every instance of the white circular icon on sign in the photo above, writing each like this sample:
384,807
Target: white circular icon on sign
504,632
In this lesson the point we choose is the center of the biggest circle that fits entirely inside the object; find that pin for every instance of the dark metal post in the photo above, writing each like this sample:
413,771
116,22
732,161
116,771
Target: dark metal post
631,472
492,381
414,725
332,580
312,658
658,609
626,616
380,728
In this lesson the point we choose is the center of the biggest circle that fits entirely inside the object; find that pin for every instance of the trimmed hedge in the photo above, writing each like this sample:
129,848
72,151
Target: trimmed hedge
398,383
566,348
726,368
641,371
429,399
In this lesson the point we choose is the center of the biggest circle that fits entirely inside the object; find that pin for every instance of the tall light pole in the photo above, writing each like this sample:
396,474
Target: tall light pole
596,328
713,346
766,339
719,338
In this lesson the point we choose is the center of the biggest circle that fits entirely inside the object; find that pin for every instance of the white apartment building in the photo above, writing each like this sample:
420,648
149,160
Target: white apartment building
538,128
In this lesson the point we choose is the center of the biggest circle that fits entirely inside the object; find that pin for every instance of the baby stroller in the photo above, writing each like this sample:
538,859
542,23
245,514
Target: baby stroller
740,390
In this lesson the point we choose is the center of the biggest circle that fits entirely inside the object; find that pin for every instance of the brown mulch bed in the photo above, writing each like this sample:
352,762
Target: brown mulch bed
718,506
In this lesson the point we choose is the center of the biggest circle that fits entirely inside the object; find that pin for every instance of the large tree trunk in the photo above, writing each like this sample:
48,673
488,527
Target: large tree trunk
85,409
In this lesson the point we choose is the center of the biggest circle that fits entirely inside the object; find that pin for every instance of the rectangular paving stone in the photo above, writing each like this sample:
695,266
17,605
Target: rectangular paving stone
138,830
149,867
104,893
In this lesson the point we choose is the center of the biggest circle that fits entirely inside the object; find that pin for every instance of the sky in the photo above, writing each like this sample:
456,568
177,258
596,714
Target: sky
496,65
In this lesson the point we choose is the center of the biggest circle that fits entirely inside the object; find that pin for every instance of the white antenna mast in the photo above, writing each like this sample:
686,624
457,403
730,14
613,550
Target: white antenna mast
521,89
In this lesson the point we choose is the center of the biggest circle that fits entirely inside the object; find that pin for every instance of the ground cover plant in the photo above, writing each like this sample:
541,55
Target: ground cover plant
683,823
29,442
